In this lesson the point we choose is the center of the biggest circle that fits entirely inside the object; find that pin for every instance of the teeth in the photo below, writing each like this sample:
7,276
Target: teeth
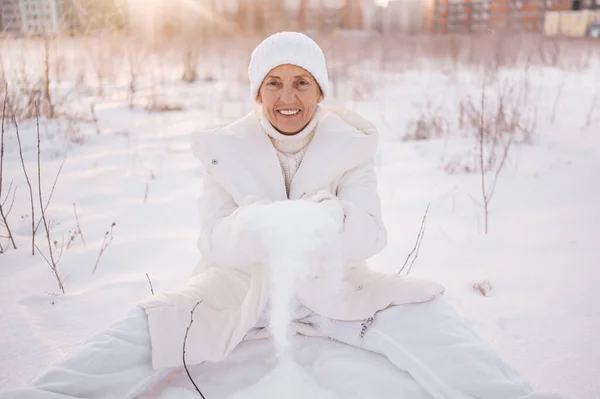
289,112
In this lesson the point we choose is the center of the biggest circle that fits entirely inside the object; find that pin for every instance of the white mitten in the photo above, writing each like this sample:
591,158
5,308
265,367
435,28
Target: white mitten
333,204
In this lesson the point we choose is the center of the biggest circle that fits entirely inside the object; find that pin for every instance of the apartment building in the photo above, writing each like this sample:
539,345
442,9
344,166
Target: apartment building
29,17
10,17
43,17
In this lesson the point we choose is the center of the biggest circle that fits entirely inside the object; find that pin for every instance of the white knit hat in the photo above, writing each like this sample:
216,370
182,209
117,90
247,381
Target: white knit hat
287,48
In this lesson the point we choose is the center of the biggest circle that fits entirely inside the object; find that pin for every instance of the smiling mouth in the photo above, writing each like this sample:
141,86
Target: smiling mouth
288,112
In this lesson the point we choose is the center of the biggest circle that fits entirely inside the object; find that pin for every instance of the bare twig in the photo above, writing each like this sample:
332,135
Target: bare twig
108,237
77,231
3,214
481,149
50,106
12,199
150,282
28,185
561,87
417,246
51,192
184,343
488,188
53,264
499,167
94,118
54,270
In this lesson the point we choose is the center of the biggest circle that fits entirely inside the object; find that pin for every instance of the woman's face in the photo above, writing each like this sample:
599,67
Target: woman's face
289,96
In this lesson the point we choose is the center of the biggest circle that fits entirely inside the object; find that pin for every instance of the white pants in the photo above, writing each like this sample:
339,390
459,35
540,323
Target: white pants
428,340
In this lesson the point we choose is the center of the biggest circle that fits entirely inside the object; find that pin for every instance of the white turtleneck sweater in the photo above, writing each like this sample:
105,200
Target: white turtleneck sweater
290,148
290,151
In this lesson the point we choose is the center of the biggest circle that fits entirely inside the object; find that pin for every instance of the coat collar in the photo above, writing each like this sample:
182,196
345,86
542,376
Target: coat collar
242,158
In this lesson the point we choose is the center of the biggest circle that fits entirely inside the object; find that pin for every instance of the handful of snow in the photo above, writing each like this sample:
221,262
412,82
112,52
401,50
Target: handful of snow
302,242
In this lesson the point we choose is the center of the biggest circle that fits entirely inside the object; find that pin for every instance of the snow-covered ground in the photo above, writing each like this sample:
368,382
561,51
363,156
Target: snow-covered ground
135,169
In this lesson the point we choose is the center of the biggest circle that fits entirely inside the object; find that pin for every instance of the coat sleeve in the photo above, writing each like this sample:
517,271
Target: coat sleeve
221,241
364,233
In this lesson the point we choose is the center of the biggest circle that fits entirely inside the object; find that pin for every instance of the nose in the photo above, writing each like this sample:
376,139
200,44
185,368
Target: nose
288,94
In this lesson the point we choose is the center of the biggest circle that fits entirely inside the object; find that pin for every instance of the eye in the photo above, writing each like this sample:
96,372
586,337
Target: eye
272,83
302,83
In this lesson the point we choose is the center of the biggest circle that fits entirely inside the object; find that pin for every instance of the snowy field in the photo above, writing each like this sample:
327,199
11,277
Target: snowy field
124,202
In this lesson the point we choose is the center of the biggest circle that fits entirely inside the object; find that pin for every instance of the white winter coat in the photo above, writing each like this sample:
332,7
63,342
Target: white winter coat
232,288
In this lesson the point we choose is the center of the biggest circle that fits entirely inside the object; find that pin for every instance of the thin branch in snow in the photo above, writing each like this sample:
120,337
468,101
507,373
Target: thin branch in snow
12,201
417,246
150,282
51,192
28,185
53,268
108,237
53,264
77,231
3,214
94,118
184,343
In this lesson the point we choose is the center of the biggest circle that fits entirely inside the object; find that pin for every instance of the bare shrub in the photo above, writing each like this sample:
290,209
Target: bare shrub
190,62
550,51
135,56
491,137
4,212
100,55
431,123
70,129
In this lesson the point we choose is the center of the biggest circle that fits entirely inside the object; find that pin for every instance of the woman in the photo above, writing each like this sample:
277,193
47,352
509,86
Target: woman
289,149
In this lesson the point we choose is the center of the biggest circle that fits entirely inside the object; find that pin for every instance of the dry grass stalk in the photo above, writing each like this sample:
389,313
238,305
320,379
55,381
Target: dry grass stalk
45,207
77,231
108,237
